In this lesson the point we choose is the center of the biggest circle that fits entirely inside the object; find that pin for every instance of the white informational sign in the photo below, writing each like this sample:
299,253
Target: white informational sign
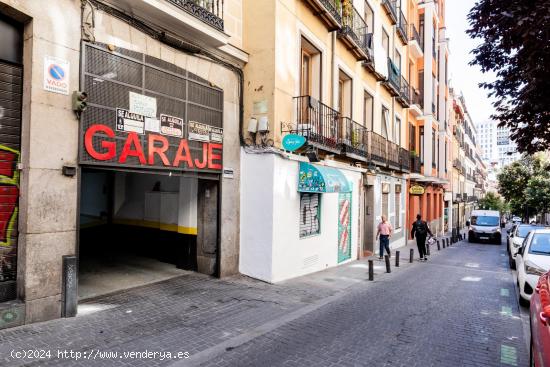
143,105
129,121
171,125
152,124
56,75
216,134
228,173
199,131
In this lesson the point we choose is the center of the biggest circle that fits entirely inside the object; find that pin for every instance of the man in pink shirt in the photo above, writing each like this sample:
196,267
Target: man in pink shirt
385,231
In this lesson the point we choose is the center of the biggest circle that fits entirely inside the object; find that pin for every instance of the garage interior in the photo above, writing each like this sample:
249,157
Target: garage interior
142,227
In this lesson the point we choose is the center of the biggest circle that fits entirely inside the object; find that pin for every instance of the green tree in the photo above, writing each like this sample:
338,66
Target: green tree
537,193
492,201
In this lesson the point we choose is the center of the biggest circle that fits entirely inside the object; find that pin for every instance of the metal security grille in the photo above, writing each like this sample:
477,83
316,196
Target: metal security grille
11,86
310,214
109,77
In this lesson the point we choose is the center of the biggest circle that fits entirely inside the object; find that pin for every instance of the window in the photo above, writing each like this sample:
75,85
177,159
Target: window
385,121
367,111
397,131
445,162
412,138
385,199
369,18
421,27
398,60
310,214
421,150
397,206
344,94
386,42
434,137
310,70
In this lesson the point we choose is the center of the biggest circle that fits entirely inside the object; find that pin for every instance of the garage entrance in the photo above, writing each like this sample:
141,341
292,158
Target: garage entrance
137,228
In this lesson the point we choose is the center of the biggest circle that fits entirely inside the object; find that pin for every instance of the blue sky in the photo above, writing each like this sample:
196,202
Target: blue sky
462,76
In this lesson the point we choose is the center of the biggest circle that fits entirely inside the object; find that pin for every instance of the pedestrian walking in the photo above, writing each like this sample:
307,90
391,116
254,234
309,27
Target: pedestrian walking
385,231
420,230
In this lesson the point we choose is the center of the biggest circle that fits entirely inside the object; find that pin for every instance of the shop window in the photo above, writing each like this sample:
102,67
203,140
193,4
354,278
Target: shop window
397,206
310,214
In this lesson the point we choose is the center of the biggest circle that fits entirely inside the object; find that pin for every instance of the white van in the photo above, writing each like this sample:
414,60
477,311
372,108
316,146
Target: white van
485,226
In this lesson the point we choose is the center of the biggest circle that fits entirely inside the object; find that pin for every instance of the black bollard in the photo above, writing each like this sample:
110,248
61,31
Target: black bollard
428,249
411,256
397,253
443,244
438,246
371,270
449,243
387,258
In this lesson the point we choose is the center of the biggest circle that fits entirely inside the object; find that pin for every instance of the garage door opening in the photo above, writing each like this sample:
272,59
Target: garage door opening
139,228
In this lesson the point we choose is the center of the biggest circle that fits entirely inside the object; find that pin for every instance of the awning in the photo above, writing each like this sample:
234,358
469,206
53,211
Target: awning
322,179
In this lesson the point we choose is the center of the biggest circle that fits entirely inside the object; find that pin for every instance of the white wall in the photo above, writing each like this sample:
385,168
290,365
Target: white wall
271,248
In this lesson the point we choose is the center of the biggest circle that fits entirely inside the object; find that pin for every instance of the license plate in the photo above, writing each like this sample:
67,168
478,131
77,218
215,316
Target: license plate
483,237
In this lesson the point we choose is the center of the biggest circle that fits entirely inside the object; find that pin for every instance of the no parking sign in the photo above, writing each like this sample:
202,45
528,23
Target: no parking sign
56,75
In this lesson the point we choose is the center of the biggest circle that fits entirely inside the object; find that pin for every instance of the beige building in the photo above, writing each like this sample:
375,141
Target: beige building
134,181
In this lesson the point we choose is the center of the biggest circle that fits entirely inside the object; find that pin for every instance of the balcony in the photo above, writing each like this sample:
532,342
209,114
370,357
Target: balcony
404,97
404,159
208,11
415,164
377,148
393,83
417,102
391,9
393,155
318,123
330,12
402,27
354,34
354,142
416,44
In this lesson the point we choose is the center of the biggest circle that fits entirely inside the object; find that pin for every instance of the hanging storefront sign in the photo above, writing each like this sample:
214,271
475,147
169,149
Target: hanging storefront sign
344,226
56,75
322,179
292,142
172,126
129,121
416,190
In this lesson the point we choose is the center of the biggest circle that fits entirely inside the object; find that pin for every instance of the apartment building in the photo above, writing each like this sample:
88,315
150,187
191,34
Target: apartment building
487,138
128,189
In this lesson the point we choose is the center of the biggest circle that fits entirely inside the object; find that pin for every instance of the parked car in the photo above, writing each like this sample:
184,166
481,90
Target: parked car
540,323
532,260
515,240
485,226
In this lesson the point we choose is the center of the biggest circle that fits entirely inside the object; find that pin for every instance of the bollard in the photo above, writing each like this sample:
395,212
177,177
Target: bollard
428,249
438,246
387,258
449,243
371,270
411,256
397,259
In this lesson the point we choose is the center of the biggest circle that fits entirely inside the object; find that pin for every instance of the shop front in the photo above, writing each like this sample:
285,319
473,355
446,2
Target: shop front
150,158
297,217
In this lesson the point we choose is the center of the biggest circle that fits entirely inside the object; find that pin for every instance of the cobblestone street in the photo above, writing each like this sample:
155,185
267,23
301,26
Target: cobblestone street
458,309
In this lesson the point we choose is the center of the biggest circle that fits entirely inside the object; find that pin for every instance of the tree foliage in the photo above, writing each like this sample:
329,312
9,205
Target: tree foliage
492,201
515,46
525,184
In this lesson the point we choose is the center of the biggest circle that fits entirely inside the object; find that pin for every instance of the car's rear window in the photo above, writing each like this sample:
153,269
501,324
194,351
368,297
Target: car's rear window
540,244
523,231
485,221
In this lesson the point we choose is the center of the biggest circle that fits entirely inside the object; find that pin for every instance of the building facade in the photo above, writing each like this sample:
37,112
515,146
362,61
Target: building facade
133,179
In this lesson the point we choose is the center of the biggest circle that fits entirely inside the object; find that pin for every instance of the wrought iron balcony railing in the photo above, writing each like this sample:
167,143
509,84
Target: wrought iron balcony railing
377,147
354,32
208,11
402,27
415,36
354,140
319,123
417,98
404,159
393,154
330,12
391,9
415,164
404,97
393,83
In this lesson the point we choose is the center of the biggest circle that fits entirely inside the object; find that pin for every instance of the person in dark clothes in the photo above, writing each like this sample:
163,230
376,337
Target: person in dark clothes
420,230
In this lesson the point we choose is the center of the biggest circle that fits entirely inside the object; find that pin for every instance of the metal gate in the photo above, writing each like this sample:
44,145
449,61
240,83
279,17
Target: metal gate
113,78
11,86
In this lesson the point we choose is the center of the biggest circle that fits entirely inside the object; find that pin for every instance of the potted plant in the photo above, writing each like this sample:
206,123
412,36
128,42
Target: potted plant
414,154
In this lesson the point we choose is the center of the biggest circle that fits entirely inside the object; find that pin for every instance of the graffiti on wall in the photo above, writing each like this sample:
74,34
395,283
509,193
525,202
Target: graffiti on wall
344,226
9,195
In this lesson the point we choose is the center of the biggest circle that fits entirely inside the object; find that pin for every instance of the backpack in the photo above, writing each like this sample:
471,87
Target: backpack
421,228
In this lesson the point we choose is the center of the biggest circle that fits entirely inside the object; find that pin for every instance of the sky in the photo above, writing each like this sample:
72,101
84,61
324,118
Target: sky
463,77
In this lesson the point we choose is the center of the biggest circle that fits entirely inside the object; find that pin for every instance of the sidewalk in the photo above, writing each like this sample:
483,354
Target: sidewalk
193,313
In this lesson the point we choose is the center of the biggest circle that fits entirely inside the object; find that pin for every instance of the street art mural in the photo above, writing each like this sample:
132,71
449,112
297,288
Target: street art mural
9,197
344,226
